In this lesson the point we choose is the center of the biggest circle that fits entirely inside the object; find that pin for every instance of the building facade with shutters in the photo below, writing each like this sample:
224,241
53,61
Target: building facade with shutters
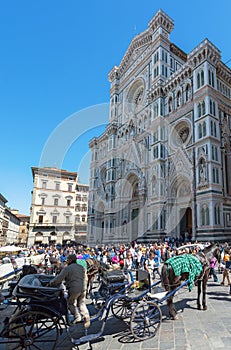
24,227
53,208
81,211
9,224
3,220
163,165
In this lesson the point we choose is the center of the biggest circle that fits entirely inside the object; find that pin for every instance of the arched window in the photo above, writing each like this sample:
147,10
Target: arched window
145,123
178,99
217,219
210,106
199,131
199,110
156,109
153,185
211,78
187,93
202,78
204,129
198,80
203,108
205,220
202,216
170,105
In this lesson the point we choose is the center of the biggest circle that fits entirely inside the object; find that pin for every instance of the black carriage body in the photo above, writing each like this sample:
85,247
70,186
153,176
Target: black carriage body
34,288
114,276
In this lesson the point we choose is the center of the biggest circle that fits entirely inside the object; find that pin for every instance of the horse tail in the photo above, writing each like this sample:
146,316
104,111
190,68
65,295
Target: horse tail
165,277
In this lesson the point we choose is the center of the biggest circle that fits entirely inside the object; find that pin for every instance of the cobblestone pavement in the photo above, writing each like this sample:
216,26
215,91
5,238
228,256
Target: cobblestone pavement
194,330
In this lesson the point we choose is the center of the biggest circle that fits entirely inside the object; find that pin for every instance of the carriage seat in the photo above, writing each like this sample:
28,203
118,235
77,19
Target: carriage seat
113,276
35,286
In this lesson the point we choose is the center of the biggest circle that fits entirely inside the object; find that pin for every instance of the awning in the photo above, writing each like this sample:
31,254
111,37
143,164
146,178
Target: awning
66,237
38,238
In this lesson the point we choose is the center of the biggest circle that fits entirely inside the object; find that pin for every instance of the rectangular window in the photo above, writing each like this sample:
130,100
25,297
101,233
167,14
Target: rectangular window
155,136
162,151
43,201
67,219
69,187
155,152
68,202
40,219
57,186
56,201
44,184
216,154
54,219
216,179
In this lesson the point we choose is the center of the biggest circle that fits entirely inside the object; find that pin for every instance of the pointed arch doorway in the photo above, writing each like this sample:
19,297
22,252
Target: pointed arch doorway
186,224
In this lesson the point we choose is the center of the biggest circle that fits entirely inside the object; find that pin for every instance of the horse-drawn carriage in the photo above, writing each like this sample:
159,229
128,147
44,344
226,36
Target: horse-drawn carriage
41,313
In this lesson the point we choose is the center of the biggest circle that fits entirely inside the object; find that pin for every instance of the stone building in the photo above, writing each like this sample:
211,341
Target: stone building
9,224
3,220
163,165
81,210
53,217
23,228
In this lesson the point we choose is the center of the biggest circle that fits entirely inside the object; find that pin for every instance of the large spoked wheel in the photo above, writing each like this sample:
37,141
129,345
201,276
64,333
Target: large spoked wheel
123,307
145,321
32,330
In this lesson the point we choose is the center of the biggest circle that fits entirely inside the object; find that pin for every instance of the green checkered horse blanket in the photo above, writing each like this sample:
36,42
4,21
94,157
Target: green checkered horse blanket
186,263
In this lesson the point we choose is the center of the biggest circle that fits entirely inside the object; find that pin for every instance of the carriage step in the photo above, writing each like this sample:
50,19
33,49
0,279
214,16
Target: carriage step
86,338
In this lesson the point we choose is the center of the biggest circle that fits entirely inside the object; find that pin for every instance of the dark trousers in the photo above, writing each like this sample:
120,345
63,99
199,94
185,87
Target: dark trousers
213,273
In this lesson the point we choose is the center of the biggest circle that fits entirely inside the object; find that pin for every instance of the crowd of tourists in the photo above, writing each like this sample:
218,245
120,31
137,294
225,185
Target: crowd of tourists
61,260
131,256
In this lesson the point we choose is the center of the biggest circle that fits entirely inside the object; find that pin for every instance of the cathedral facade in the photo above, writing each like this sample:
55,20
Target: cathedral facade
163,165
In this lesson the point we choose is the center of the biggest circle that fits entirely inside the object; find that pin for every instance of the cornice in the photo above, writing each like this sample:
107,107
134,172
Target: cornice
178,52
139,41
177,78
161,19
205,51
224,72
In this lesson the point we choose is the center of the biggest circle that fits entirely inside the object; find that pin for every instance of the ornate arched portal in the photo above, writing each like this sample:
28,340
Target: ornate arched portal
180,209
131,204
100,223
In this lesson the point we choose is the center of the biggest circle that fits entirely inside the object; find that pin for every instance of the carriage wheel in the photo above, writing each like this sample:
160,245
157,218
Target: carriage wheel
123,307
145,321
32,330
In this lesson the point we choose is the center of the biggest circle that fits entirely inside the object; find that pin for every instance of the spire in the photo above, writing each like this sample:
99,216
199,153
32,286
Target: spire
162,23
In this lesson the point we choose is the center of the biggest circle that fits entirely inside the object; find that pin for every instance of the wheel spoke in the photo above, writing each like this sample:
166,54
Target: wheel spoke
145,320
32,330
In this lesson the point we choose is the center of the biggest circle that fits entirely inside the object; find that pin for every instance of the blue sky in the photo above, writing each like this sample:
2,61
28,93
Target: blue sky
54,62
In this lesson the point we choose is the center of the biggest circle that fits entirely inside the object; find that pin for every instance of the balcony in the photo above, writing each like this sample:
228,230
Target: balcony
51,225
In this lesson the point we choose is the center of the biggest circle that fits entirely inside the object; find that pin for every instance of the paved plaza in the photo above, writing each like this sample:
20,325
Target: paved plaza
207,330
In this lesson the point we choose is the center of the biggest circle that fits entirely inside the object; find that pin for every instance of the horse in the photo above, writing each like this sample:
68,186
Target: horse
93,268
170,281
